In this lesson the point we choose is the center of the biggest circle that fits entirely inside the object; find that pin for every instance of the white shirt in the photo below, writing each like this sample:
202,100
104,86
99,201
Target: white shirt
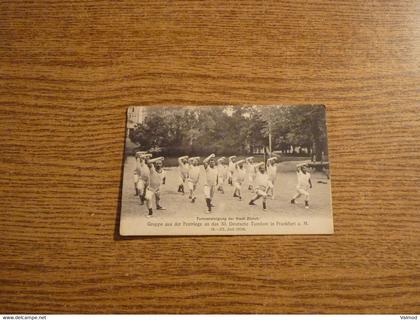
194,173
183,169
239,175
303,180
221,170
155,178
211,176
138,168
261,180
231,166
144,172
251,169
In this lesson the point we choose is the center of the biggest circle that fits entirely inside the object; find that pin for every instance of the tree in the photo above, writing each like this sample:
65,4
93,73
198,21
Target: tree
303,126
231,130
153,132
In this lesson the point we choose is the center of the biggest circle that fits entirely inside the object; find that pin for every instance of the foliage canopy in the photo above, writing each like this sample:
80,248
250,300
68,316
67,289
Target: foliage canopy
232,130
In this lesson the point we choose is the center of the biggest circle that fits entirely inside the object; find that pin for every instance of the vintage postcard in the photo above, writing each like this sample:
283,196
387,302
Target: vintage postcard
226,170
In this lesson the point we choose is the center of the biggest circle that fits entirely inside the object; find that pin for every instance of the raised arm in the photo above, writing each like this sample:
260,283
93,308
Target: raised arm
298,166
258,165
139,153
206,160
182,158
143,157
156,159
152,161
220,159
238,162
269,163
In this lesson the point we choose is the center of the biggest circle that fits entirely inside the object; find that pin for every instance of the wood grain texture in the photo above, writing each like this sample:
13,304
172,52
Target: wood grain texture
69,69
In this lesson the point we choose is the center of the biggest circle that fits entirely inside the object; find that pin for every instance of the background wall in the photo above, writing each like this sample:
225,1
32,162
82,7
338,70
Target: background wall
69,69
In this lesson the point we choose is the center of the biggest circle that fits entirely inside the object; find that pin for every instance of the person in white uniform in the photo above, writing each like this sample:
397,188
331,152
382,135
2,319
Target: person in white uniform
238,178
303,185
231,169
144,175
153,189
260,185
183,167
251,170
272,175
136,175
221,174
210,182
193,177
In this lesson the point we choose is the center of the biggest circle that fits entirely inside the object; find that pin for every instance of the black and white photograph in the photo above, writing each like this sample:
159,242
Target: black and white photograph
226,170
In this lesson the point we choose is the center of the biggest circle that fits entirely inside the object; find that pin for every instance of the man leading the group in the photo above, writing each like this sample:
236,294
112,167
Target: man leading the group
210,180
155,181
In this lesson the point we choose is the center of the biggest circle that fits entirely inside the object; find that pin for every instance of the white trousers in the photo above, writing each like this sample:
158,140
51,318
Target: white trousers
150,194
140,186
261,193
182,179
302,192
192,185
237,185
209,191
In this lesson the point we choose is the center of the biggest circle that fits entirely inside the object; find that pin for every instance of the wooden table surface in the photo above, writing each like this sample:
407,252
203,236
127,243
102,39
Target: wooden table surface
69,70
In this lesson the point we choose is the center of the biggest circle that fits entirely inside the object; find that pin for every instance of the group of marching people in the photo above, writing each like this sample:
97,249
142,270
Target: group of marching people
149,175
